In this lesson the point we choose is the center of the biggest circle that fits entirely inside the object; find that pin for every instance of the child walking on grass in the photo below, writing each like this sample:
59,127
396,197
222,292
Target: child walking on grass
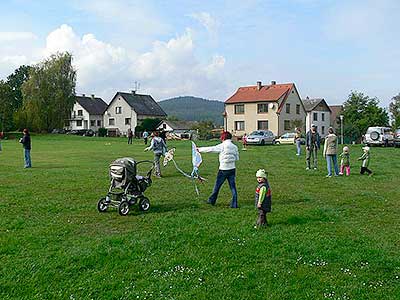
159,148
262,198
345,161
365,161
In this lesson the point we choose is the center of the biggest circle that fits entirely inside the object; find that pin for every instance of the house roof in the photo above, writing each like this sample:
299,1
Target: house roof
268,93
143,104
180,125
93,105
311,104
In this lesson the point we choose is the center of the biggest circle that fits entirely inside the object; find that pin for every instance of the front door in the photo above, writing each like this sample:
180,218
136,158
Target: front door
85,124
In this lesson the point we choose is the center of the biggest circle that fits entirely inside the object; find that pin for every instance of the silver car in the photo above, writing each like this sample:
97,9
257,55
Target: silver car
261,137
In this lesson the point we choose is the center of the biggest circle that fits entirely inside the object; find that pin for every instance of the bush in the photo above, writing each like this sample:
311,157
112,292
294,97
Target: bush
102,132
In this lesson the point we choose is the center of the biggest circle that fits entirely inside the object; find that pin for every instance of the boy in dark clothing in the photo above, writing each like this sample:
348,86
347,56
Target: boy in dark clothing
26,143
262,198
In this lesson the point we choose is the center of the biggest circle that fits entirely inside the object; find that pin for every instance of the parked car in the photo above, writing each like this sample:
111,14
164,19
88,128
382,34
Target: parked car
83,132
59,131
381,136
261,137
288,138
396,138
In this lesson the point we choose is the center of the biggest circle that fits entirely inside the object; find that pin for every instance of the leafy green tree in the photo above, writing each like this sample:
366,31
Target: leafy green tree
394,108
204,129
49,93
360,112
148,124
6,114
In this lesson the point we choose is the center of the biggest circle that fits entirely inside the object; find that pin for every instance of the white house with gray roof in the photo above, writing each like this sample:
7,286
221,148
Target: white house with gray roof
127,110
318,113
87,113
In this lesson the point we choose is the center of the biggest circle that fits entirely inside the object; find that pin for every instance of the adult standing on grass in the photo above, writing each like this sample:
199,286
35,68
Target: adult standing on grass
130,136
297,139
26,143
159,148
228,155
330,152
145,136
313,143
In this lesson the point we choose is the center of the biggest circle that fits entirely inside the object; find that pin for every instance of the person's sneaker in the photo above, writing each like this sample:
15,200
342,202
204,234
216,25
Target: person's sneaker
307,168
341,174
315,168
209,202
328,176
370,175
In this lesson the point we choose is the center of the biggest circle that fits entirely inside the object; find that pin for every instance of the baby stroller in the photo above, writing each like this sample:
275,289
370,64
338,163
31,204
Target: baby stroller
126,187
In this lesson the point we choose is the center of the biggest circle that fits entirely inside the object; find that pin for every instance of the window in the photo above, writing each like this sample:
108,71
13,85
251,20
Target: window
92,123
164,126
298,109
79,123
239,109
98,123
80,112
286,125
322,117
239,125
262,108
67,123
127,121
315,116
111,121
262,125
288,108
118,110
323,130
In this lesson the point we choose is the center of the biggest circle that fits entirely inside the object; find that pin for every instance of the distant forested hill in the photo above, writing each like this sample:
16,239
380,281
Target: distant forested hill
194,109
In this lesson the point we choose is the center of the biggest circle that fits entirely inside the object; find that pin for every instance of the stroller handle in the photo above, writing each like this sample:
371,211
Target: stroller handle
148,175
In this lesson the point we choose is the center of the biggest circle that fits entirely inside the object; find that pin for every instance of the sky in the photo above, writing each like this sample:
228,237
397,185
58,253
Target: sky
208,49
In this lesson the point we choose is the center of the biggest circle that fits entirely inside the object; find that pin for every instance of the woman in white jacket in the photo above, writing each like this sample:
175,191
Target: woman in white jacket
228,155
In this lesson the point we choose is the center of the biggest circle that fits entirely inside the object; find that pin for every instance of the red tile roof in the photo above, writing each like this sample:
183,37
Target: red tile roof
269,93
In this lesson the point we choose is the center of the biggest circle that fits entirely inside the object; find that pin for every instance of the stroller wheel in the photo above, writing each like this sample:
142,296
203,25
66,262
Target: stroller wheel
144,204
123,208
102,205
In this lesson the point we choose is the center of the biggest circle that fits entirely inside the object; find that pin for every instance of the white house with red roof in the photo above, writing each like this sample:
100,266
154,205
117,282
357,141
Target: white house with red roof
276,107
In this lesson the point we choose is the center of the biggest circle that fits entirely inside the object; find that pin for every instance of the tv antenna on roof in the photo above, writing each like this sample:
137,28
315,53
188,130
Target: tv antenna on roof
137,86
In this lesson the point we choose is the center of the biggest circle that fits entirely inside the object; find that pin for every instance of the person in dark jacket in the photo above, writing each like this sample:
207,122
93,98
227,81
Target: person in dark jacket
130,136
26,144
262,198
313,143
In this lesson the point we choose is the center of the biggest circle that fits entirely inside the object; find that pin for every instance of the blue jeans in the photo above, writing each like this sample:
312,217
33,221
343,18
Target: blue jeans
329,160
27,158
221,177
298,146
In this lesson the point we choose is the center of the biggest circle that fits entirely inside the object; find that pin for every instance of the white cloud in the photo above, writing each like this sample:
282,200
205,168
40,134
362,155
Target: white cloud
169,69
9,36
208,21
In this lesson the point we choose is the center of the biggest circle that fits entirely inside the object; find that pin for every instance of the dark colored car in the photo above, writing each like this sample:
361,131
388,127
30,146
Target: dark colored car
396,138
83,132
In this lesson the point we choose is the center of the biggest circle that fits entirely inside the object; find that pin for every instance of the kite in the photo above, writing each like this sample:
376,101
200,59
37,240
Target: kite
196,162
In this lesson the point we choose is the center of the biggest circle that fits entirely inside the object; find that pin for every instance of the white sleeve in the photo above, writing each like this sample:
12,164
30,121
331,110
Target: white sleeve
216,149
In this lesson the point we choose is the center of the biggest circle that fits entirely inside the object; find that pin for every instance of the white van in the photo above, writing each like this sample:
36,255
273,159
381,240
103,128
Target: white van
382,136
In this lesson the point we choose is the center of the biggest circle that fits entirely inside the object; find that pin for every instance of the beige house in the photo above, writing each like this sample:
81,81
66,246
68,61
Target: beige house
276,107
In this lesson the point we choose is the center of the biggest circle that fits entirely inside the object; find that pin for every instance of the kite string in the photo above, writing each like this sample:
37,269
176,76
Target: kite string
187,175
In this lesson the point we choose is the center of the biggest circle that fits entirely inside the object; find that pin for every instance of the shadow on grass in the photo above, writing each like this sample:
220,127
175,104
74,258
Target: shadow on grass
315,216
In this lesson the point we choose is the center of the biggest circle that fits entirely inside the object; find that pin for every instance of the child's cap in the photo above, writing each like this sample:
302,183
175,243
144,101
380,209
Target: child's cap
345,149
261,173
366,148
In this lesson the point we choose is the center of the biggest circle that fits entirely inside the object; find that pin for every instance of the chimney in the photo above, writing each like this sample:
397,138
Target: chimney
273,82
259,85
83,95
307,98
133,92
92,96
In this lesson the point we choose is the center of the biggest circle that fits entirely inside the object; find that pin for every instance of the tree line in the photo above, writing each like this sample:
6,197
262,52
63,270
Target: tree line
38,97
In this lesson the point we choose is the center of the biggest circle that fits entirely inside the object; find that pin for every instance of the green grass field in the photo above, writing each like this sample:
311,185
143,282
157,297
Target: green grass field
330,238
